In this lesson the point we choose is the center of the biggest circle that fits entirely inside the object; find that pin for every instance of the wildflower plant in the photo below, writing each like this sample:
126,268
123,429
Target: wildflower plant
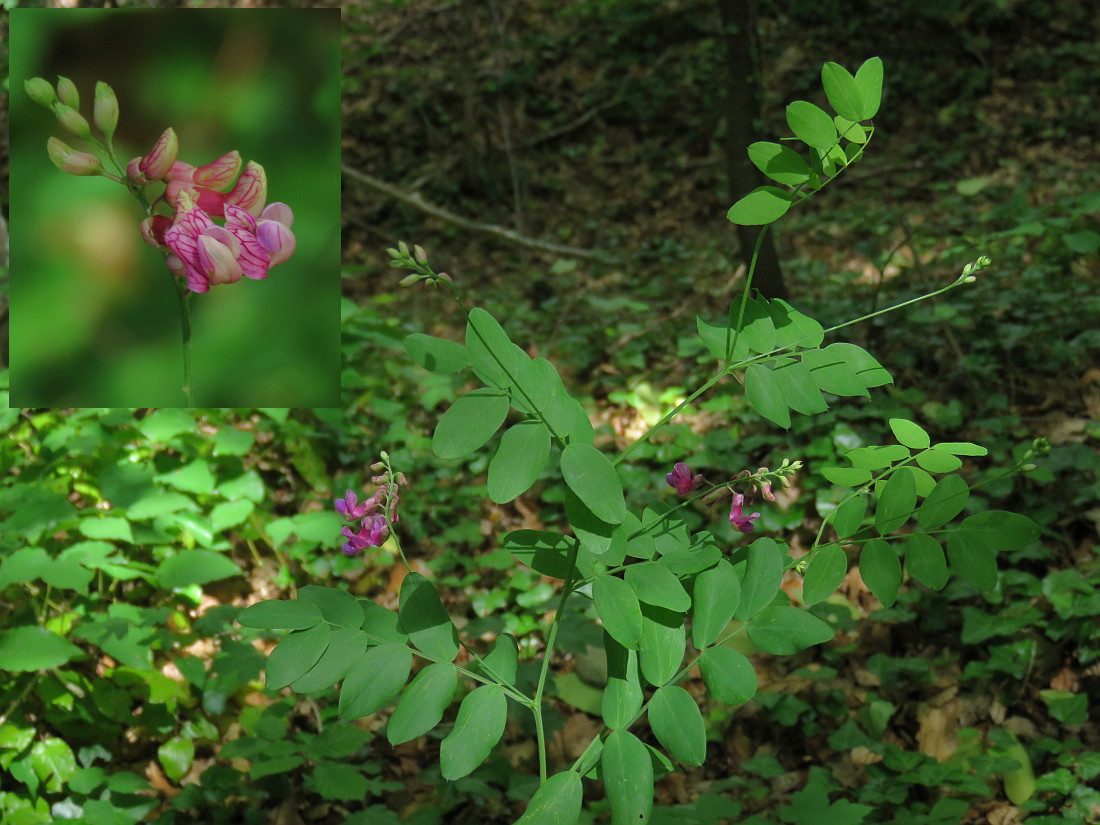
181,221
667,599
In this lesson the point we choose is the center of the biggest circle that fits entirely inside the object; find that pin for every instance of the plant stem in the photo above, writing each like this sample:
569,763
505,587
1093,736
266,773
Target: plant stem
185,319
548,654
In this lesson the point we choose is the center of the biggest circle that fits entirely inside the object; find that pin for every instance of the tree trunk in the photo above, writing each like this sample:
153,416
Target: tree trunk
742,113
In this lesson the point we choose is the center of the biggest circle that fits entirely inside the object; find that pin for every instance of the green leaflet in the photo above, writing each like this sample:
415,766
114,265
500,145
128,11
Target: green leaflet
374,679
627,773
425,620
477,729
678,725
469,422
716,594
421,706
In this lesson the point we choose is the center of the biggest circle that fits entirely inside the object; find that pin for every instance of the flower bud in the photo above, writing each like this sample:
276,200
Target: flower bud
409,280
250,191
218,174
156,164
72,121
40,91
66,92
276,239
106,110
70,161
421,255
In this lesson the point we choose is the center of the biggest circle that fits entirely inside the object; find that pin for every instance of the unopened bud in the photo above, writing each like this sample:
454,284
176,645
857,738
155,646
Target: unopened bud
1027,468
156,164
404,247
409,280
420,254
401,480
393,253
40,91
106,110
969,279
72,121
443,276
70,161
66,92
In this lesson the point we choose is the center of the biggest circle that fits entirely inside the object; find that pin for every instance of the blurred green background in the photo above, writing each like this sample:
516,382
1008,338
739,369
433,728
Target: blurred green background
94,317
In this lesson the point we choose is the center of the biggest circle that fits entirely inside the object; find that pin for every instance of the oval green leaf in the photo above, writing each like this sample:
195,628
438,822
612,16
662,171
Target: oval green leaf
374,679
947,500
421,706
478,727
824,575
295,655
784,631
766,395
762,205
618,609
869,80
880,570
344,648
662,644
337,606
678,725
627,773
716,594
925,561
422,616
843,92
728,675
556,802
469,422
622,697
278,614
436,354
34,648
763,575
780,163
811,124
189,567
910,434
897,501
592,477
849,516
657,585
519,460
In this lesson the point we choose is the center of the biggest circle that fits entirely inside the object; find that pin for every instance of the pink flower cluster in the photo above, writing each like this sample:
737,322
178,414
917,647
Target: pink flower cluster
252,239
375,515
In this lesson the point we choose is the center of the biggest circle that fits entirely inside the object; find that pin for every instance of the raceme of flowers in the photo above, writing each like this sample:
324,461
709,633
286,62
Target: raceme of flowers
375,515
252,239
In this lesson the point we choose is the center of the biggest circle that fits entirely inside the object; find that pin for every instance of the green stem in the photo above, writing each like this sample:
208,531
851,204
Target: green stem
548,654
185,319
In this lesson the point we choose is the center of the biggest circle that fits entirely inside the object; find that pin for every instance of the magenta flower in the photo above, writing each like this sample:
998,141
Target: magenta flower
737,519
207,185
372,533
155,165
352,509
682,479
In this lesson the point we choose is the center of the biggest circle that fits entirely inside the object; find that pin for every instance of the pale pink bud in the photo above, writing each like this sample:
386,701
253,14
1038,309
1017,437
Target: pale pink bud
420,254
217,261
156,164
40,91
152,230
66,92
72,121
218,174
278,212
106,109
250,192
276,239
70,161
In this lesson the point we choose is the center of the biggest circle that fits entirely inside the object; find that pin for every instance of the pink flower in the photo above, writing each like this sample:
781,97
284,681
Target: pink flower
352,509
737,519
372,533
155,165
682,479
207,185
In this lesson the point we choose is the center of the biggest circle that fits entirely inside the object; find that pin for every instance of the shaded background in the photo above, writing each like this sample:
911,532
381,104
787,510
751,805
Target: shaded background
94,318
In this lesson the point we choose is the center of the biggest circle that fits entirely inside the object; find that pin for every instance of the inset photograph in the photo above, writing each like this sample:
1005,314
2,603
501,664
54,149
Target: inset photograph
175,208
